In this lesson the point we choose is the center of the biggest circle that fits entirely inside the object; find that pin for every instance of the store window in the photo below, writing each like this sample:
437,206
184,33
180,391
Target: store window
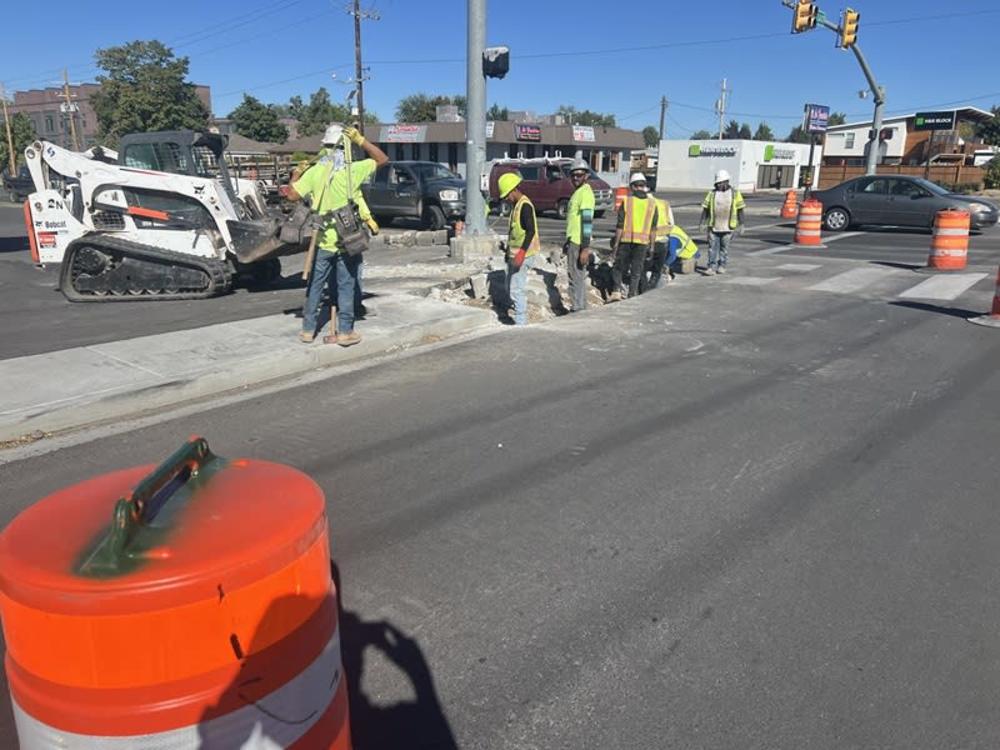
432,151
50,124
399,152
415,151
453,157
849,140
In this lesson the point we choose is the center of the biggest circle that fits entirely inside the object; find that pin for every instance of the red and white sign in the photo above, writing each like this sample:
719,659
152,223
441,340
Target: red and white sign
583,134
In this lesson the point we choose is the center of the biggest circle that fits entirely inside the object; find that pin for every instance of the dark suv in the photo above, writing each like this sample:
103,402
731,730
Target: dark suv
18,188
423,190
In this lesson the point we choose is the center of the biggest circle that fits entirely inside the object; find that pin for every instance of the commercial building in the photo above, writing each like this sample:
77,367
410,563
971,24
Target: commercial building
753,165
48,111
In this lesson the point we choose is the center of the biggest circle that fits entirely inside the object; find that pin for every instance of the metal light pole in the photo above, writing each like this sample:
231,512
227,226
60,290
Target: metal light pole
475,119
871,161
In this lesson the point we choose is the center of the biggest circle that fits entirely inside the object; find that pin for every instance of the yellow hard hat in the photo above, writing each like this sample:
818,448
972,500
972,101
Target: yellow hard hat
508,182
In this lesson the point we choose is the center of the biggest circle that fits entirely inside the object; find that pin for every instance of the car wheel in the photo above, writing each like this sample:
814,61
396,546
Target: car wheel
561,208
434,218
837,219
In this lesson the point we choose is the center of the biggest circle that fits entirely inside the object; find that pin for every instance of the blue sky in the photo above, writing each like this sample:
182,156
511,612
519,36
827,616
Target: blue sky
562,52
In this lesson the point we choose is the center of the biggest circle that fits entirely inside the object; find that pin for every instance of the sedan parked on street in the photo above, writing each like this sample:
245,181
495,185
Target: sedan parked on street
897,200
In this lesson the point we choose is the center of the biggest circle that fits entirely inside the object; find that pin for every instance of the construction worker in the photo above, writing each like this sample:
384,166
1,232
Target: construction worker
327,187
722,210
522,243
579,229
661,239
633,237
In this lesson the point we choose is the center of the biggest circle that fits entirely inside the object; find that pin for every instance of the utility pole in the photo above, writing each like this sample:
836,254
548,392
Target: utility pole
10,137
359,77
720,105
475,118
69,111
663,114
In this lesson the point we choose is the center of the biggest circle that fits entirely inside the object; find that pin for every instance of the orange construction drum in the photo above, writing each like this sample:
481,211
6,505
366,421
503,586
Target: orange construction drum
950,240
188,605
620,194
790,208
808,227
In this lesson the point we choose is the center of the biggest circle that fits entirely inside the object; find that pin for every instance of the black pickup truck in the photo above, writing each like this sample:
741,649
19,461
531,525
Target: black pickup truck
16,189
423,190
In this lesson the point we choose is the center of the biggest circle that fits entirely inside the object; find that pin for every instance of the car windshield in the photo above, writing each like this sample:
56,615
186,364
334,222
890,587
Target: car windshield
932,186
432,172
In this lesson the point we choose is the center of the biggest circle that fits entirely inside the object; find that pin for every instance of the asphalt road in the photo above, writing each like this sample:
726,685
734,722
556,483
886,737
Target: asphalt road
718,516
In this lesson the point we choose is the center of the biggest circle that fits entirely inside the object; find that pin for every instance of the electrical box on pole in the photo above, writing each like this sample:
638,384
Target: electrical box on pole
496,62
848,34
804,16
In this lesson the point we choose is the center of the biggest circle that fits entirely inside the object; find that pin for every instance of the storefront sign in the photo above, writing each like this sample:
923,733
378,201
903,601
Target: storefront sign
490,127
583,134
699,150
527,132
772,152
817,117
934,120
403,134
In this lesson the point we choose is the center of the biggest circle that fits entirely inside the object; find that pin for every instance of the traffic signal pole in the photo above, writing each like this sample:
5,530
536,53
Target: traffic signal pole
475,119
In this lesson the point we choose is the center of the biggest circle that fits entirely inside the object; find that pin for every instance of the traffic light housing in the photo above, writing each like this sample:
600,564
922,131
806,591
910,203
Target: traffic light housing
848,29
804,16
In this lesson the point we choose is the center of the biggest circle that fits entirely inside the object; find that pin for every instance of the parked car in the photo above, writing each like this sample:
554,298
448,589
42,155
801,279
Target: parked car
897,200
548,185
17,189
423,190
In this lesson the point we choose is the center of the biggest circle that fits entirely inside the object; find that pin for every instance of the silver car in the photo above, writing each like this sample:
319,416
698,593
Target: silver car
897,200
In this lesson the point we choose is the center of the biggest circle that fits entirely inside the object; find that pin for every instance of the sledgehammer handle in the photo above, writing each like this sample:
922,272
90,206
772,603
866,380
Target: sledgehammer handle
310,255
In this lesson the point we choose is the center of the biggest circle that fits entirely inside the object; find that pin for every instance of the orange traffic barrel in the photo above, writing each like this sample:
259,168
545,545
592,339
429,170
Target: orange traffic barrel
188,605
808,227
620,194
992,319
950,240
790,208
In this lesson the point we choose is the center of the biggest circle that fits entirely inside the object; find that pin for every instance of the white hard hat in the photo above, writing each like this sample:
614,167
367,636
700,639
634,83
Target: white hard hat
722,176
334,132
580,165
636,177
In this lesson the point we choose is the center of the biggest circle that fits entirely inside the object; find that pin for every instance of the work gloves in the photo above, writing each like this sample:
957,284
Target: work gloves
372,225
354,135
518,259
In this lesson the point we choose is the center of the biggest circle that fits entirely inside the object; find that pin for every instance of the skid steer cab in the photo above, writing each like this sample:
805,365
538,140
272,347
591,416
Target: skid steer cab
160,218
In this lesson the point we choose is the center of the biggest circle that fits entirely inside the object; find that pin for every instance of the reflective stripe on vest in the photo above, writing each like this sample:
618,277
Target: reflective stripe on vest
662,220
638,225
688,248
516,231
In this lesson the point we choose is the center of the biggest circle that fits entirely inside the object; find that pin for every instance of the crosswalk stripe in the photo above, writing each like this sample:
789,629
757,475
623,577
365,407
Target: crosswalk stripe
943,287
851,281
753,280
799,267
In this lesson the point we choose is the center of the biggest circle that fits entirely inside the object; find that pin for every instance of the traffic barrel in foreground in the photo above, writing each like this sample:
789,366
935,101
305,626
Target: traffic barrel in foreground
950,240
620,194
808,227
190,606
993,318
789,209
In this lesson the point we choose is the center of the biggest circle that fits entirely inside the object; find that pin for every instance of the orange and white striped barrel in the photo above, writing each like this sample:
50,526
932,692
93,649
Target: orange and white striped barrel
950,241
993,318
808,227
790,208
191,607
620,194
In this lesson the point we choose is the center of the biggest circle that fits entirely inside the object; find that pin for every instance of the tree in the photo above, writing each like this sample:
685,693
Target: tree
700,135
763,133
23,133
423,108
798,135
837,118
745,133
576,116
254,119
989,131
991,176
497,113
651,136
732,130
144,89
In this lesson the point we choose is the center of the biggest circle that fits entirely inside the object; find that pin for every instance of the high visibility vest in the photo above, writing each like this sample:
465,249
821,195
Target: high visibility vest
516,232
688,247
638,224
663,215
738,204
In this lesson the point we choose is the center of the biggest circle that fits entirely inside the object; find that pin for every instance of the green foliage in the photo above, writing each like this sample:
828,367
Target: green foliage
496,113
314,117
585,117
23,132
798,134
143,90
700,135
991,173
763,133
989,131
259,121
745,133
731,131
301,156
837,118
651,136
423,108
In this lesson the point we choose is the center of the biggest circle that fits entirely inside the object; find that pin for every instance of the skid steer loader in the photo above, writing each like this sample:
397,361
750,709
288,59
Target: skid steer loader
161,218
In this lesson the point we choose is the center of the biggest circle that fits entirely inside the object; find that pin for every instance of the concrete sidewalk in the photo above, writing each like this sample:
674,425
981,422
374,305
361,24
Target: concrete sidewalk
93,384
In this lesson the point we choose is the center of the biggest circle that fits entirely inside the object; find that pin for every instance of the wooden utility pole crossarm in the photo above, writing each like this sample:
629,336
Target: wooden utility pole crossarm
69,111
10,133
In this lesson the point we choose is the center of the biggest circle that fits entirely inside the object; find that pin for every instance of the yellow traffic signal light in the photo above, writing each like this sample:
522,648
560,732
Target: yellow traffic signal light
804,17
848,28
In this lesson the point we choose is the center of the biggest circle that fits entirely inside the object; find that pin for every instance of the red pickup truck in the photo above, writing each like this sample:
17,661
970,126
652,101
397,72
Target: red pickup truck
548,185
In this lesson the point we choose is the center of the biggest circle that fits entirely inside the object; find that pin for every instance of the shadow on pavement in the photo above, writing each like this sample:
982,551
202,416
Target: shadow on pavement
896,264
13,244
953,312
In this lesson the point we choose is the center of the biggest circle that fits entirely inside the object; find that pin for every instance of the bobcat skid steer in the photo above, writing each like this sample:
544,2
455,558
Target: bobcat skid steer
161,218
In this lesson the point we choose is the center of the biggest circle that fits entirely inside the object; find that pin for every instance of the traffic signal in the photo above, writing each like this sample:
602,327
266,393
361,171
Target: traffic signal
804,17
848,29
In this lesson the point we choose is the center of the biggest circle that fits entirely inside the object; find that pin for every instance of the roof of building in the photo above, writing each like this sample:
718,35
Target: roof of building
240,144
964,113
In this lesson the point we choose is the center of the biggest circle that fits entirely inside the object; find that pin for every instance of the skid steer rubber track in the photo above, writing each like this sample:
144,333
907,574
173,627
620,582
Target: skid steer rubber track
104,268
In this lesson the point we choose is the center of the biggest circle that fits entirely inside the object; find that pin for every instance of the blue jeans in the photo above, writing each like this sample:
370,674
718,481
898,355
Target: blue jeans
517,281
343,269
718,248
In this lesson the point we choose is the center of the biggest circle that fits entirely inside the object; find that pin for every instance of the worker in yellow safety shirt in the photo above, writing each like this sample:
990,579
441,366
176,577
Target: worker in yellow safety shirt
722,212
522,243
579,229
661,238
633,238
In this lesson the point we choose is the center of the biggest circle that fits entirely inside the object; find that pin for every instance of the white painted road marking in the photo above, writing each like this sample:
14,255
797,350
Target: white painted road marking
783,248
851,281
799,267
753,280
944,287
